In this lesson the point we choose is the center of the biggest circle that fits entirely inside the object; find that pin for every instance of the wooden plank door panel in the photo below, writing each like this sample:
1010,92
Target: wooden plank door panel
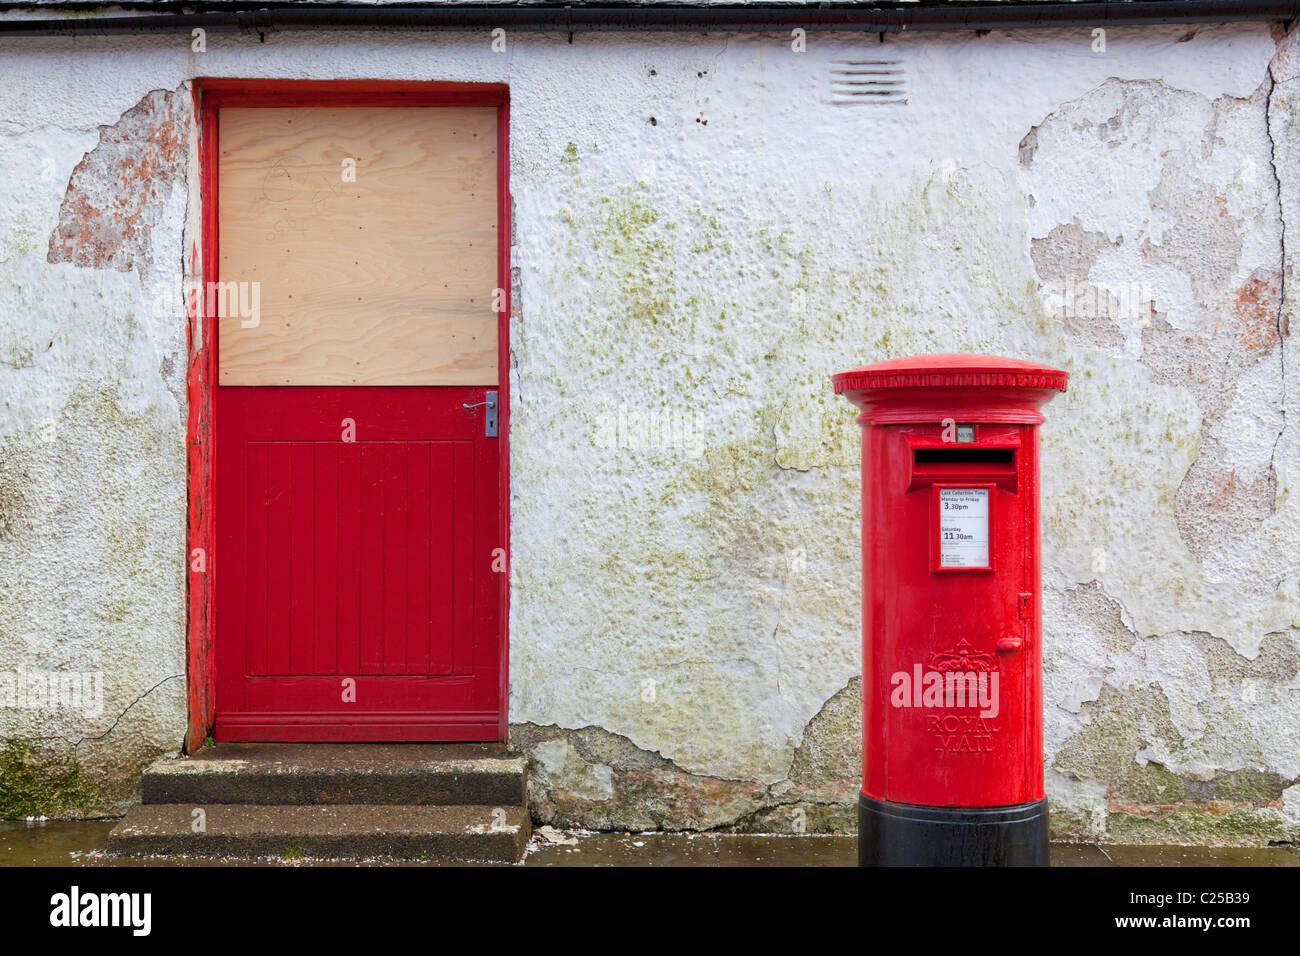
368,560
411,603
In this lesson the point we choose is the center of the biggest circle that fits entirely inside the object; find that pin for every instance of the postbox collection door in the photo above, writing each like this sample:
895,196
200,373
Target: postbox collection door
949,619
357,473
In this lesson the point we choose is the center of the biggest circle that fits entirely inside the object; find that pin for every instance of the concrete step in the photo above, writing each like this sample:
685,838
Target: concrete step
304,774
335,832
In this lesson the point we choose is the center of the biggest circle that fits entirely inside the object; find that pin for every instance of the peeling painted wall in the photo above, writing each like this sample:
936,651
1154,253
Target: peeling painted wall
92,442
701,238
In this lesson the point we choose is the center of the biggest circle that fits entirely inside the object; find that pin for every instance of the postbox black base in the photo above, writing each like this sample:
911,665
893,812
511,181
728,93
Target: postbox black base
900,834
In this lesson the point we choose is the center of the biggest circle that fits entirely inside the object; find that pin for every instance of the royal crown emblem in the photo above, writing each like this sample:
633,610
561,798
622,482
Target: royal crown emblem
962,658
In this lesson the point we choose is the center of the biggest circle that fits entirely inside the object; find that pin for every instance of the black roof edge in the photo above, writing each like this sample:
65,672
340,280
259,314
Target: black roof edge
655,17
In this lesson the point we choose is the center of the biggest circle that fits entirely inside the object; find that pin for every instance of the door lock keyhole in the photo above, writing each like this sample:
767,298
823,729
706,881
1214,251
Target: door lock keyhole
489,415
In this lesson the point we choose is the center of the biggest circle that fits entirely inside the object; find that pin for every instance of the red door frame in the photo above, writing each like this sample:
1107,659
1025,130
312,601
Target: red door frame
201,560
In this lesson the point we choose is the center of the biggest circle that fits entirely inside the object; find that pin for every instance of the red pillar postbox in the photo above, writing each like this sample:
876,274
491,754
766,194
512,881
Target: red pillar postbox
952,724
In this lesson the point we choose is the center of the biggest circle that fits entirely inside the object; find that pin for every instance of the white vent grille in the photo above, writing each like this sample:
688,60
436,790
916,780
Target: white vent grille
868,82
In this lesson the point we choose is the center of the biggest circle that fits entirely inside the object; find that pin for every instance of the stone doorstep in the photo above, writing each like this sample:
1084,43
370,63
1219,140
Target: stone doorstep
440,833
352,774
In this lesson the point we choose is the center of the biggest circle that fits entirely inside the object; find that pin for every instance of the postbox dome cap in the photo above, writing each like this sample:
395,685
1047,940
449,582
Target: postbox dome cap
952,370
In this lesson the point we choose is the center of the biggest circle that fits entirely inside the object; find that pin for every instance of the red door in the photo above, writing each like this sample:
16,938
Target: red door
359,514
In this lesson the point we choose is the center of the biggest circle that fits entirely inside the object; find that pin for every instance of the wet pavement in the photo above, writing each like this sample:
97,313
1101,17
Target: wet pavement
81,843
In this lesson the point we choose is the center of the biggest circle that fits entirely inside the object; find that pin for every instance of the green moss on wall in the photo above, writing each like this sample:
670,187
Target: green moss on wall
1192,825
35,783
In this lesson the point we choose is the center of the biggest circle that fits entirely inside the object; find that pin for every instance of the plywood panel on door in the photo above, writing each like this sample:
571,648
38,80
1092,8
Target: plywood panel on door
371,235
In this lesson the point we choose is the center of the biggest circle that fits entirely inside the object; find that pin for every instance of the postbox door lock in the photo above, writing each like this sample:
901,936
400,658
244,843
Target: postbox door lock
1026,605
1025,610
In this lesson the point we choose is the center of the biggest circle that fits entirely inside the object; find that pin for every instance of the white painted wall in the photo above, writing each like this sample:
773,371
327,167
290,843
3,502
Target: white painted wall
694,595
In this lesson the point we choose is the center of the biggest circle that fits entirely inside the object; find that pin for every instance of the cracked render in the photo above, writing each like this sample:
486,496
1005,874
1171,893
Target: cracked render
685,592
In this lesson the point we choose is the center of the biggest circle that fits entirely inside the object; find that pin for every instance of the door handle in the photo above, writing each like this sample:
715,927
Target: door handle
489,415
